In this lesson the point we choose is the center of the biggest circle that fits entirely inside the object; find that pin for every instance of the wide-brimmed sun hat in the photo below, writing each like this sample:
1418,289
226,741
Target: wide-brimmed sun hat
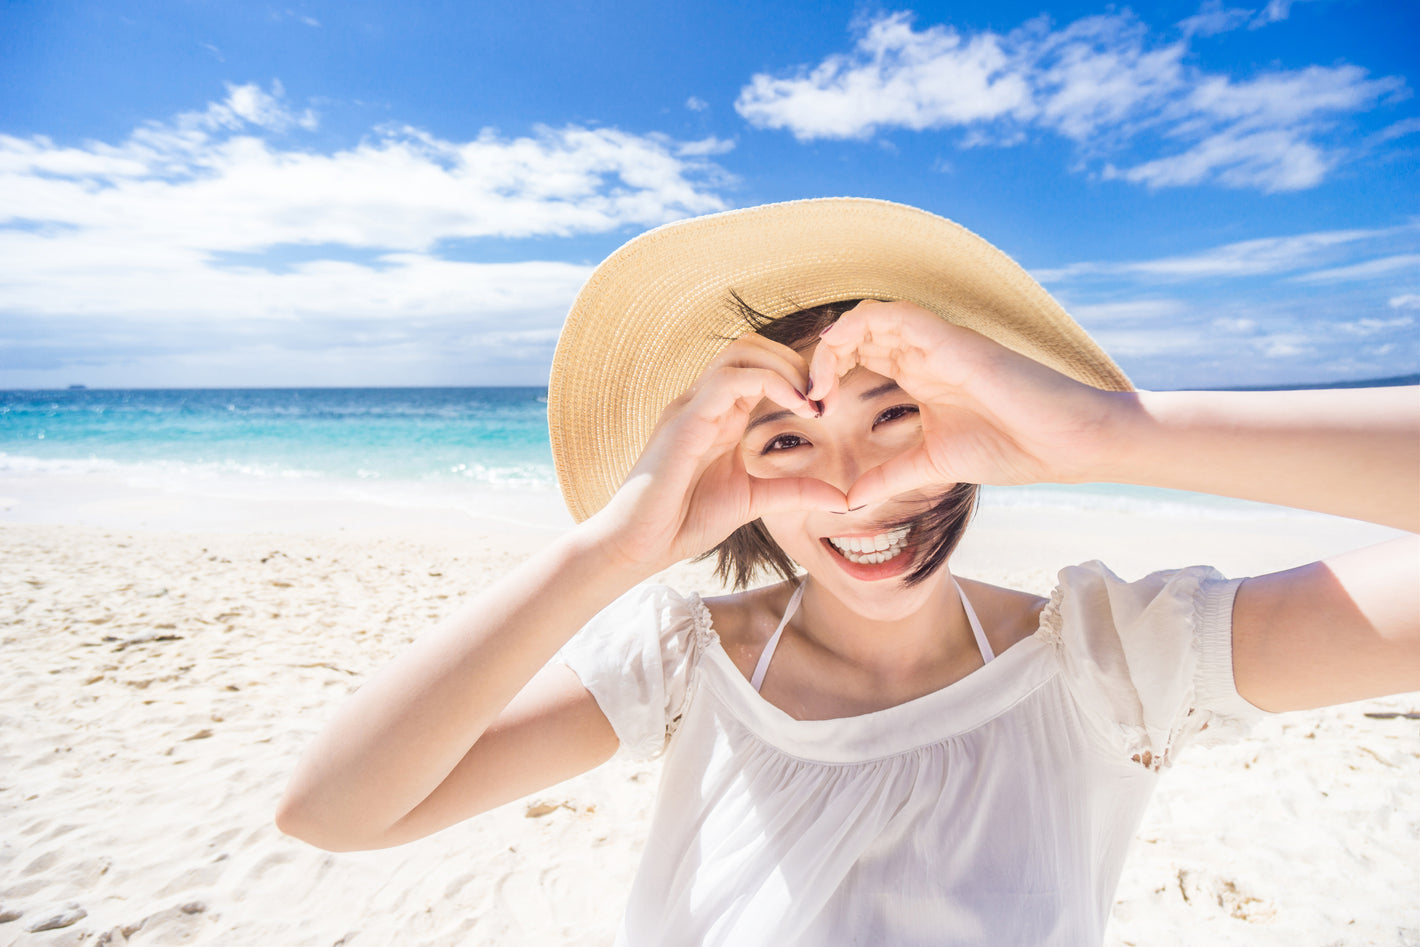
654,314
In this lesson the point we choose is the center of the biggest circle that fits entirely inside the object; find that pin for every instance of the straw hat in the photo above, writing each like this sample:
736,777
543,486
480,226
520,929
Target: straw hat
656,312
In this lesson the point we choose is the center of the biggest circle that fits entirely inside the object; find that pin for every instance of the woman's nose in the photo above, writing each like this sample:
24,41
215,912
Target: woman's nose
842,468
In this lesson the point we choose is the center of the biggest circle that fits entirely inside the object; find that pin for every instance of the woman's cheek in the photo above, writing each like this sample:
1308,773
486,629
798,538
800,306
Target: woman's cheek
775,464
790,532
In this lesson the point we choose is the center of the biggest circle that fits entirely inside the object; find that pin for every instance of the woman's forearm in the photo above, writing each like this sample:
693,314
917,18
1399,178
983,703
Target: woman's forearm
1349,452
406,729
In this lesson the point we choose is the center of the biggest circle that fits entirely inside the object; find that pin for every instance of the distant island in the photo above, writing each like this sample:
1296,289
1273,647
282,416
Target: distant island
77,387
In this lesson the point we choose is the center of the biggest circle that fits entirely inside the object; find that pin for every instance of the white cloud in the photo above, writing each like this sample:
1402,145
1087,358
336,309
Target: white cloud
1234,324
1275,12
1372,326
192,222
190,185
1213,18
1270,161
1102,82
1284,346
1406,126
1098,76
1265,256
1370,269
1405,301
896,77
1096,314
1141,343
696,104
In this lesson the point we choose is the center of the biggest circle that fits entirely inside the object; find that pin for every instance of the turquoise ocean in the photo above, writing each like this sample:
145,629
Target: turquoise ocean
493,436
391,445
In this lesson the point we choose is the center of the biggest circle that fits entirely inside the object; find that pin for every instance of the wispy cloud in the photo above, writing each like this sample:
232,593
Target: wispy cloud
1104,82
188,219
1275,12
1406,126
1374,326
1370,269
1267,256
1213,18
1300,308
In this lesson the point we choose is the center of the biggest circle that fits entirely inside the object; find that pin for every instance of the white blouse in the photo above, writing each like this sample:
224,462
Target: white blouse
997,810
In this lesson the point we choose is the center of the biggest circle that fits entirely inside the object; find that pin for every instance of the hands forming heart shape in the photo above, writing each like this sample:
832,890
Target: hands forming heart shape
987,415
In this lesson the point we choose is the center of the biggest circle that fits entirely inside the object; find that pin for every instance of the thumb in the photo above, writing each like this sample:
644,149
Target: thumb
903,474
782,495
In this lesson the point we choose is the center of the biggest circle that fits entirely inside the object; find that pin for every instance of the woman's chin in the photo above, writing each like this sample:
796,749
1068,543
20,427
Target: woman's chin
873,591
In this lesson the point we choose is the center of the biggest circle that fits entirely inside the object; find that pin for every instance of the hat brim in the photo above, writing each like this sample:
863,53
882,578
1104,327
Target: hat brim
654,314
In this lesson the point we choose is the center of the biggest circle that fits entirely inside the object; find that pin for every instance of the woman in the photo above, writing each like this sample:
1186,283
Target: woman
872,752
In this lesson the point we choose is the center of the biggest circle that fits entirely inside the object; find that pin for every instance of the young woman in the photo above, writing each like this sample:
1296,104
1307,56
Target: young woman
870,751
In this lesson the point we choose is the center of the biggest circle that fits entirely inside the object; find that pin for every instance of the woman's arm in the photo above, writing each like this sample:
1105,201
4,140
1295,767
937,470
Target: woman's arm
1343,629
1351,452
464,719
417,724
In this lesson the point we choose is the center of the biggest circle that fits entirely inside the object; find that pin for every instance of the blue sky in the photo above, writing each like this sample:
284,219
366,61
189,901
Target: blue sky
221,194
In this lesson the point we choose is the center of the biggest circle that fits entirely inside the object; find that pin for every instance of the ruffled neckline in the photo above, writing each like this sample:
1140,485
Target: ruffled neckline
949,712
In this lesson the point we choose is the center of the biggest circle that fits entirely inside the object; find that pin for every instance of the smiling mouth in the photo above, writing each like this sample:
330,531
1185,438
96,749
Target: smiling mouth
871,550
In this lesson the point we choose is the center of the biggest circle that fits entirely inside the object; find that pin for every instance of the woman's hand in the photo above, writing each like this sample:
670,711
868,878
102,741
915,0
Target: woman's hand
989,415
689,489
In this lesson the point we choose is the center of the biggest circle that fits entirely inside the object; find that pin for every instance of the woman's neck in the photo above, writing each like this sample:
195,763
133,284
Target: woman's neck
930,639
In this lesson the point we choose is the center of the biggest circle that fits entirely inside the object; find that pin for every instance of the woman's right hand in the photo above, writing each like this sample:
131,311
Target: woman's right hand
689,489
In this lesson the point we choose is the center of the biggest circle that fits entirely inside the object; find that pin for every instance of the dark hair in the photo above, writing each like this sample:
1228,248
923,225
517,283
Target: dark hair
750,549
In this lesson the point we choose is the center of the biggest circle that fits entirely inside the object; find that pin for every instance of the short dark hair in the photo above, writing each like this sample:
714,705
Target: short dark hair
750,549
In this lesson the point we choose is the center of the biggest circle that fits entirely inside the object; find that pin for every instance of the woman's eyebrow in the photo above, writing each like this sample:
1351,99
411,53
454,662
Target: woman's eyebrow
769,418
882,389
772,416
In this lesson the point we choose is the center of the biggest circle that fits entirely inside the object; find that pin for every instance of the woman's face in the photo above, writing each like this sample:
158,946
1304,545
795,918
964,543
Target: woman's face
871,421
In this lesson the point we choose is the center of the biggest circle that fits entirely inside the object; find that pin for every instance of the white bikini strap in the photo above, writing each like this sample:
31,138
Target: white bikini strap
767,654
986,653
762,667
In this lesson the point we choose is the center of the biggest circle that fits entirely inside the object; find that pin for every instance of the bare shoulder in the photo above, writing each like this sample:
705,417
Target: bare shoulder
1007,615
744,621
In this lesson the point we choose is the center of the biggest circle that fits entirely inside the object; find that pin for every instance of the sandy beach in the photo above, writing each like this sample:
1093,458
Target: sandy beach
169,656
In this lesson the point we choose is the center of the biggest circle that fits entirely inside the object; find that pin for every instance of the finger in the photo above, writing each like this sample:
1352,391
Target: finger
912,470
893,339
865,333
741,389
835,355
755,351
697,428
718,413
790,494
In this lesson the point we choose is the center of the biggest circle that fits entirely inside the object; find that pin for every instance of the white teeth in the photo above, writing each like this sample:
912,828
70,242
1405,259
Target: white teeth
871,550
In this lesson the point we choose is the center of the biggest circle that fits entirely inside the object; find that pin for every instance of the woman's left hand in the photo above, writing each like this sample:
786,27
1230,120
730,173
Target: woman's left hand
989,415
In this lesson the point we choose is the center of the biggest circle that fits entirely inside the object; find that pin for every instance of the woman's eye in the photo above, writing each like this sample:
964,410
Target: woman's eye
894,413
783,442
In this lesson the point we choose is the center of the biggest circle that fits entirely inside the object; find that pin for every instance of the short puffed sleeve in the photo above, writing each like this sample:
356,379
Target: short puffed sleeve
1150,662
636,658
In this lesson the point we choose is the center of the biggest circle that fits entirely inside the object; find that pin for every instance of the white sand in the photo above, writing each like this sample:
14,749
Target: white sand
161,681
